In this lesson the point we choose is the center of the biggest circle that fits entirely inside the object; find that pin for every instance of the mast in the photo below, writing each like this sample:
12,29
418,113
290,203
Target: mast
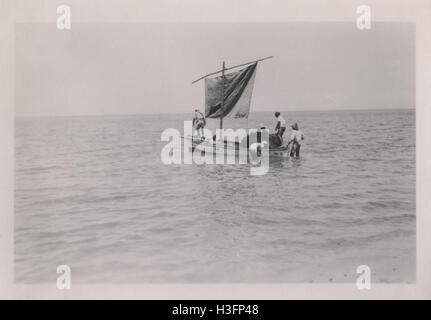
222,94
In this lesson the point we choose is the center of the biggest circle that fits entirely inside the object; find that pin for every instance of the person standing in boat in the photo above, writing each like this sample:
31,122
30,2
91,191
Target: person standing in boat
199,122
296,138
280,127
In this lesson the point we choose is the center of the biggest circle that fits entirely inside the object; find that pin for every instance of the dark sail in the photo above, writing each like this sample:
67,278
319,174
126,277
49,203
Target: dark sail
230,96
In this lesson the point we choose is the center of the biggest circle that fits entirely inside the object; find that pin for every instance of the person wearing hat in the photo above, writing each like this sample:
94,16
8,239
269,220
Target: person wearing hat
296,138
281,126
199,122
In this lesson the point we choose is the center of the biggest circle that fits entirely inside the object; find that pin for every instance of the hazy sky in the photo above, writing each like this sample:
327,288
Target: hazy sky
111,68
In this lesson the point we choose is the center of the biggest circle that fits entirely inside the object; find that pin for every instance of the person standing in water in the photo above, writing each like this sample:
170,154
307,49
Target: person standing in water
199,122
296,138
280,127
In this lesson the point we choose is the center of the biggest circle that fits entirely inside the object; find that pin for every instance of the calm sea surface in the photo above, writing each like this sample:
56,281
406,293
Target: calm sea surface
92,193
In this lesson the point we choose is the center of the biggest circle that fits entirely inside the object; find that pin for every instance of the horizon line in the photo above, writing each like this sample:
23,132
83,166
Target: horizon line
184,112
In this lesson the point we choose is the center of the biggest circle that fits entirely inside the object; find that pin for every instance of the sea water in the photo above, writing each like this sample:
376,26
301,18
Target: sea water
92,192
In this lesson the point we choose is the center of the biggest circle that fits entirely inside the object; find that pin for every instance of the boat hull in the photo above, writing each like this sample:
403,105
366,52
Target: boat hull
226,147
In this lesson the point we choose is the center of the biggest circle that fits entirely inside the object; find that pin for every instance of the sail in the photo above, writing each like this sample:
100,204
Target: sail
230,95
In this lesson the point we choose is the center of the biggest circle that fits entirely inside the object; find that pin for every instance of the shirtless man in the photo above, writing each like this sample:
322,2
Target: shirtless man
199,122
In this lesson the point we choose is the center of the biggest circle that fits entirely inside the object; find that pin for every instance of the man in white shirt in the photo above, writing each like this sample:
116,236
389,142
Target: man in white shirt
280,127
296,138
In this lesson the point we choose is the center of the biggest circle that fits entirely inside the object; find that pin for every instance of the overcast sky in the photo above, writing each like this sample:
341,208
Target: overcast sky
148,68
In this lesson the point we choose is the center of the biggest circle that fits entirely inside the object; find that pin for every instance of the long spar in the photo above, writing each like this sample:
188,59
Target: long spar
225,69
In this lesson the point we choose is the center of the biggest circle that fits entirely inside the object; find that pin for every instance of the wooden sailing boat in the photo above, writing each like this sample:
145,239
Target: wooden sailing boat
229,96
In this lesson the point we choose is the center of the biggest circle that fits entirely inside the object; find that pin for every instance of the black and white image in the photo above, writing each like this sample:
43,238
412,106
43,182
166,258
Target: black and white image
92,191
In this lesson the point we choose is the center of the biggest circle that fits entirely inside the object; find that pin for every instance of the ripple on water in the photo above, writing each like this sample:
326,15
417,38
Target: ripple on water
96,196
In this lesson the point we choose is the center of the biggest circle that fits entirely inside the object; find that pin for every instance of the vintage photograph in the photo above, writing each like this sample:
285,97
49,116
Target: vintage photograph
217,152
